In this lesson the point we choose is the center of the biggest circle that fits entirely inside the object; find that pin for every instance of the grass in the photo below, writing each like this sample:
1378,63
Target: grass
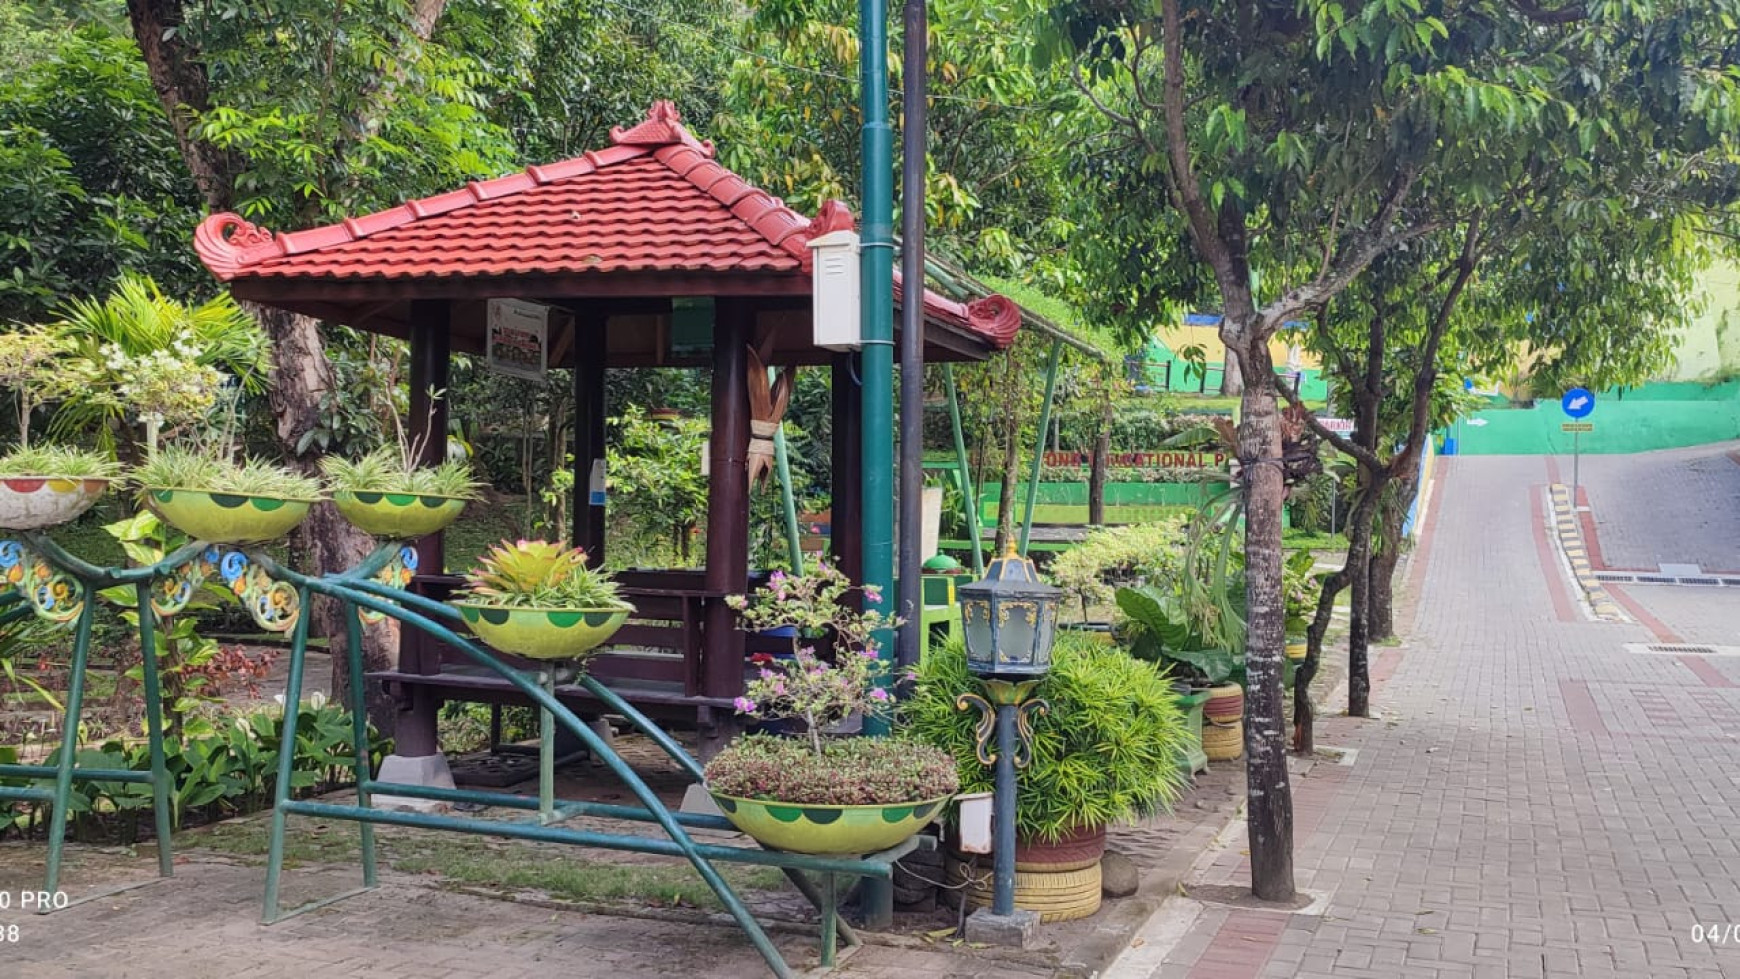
483,862
1299,540
1221,405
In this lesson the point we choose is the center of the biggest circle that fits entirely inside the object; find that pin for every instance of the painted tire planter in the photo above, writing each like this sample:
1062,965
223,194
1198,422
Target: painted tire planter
226,518
1079,850
542,633
397,516
34,502
1223,723
798,827
1062,895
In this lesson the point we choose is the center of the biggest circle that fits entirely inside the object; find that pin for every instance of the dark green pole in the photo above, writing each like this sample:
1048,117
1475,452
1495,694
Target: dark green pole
969,486
877,274
1039,447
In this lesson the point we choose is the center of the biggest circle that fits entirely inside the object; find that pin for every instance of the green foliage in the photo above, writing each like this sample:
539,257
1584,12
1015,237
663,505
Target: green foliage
1160,628
91,182
58,460
1105,751
845,772
540,574
1300,586
178,467
654,476
384,471
218,770
1114,556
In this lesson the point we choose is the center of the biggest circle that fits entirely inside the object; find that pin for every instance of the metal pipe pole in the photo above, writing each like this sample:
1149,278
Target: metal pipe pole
877,275
1039,449
1003,811
969,486
912,171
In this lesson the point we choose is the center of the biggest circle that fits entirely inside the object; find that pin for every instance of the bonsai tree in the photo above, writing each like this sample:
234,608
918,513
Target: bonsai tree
1106,750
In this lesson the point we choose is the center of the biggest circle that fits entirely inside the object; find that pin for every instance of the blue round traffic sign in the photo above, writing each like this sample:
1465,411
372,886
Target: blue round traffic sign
1578,402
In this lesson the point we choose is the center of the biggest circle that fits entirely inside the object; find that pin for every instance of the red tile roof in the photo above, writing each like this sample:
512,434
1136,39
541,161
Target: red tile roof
654,201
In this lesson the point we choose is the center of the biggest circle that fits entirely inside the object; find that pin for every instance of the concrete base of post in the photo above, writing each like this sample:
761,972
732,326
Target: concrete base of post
1018,929
422,770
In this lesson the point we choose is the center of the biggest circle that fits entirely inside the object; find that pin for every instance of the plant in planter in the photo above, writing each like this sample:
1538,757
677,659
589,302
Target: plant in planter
1300,586
1106,751
541,600
820,793
389,492
386,494
1115,556
212,497
41,486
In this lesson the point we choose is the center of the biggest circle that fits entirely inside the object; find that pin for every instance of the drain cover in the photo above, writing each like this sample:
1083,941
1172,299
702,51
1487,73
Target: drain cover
1682,649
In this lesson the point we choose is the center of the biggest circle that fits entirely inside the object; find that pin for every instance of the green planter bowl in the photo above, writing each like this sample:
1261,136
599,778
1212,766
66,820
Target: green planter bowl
542,633
226,518
33,502
397,516
824,829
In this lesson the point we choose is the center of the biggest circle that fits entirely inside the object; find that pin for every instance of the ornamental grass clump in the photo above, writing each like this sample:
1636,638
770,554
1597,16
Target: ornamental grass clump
1105,751
540,574
386,471
180,467
818,769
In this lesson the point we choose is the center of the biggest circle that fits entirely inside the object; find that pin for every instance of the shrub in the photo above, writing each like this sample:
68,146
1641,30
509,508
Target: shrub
1105,751
1092,570
848,772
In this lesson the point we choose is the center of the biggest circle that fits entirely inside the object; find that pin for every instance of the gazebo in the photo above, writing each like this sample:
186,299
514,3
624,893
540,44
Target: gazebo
646,253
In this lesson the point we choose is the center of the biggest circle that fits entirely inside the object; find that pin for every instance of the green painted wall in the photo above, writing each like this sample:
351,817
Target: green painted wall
1709,350
1660,415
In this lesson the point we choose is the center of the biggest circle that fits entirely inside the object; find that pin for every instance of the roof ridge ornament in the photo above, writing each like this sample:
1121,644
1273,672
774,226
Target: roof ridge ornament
663,126
832,216
227,243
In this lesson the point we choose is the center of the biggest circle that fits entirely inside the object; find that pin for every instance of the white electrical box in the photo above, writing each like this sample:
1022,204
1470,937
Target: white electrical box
975,822
834,291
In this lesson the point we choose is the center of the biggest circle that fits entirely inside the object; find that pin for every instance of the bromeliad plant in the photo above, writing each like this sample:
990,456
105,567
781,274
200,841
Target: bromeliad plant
540,574
818,769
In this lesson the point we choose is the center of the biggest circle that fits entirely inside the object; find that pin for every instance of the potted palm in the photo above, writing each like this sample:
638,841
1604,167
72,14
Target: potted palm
42,486
1106,751
541,600
816,792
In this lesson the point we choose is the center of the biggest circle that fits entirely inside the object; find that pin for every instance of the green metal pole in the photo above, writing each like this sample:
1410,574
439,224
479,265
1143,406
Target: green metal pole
1039,448
969,486
154,728
877,275
69,741
546,752
286,757
359,732
782,462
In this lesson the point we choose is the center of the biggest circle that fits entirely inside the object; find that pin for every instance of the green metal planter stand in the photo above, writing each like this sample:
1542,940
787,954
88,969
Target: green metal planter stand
365,590
61,588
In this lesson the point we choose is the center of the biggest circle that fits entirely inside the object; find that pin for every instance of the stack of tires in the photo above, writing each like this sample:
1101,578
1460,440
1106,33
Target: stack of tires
1223,737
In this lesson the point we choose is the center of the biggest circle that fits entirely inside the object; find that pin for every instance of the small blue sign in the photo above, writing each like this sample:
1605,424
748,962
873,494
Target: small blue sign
1578,402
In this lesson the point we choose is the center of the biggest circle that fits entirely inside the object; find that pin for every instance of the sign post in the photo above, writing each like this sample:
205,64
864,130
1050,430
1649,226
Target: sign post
1578,404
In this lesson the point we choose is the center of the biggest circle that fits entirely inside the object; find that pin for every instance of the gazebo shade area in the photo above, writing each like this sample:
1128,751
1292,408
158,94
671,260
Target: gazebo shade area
645,254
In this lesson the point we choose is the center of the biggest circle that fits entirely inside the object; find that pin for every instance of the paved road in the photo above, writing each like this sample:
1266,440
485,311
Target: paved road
1535,801
1677,506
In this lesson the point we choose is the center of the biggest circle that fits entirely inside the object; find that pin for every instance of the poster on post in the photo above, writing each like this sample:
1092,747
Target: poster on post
518,338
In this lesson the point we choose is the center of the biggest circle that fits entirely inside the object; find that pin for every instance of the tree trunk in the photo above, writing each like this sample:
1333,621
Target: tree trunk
1359,532
1270,804
1232,380
301,376
1101,463
1387,555
1011,473
1304,715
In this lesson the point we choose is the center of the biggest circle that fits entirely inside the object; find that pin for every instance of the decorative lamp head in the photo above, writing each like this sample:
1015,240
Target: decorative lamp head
1010,618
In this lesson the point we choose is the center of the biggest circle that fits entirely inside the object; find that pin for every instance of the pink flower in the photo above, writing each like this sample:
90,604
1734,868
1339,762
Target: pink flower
868,653
744,705
873,594
877,693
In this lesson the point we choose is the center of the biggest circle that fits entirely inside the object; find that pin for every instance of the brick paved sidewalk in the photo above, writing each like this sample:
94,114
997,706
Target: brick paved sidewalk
1534,800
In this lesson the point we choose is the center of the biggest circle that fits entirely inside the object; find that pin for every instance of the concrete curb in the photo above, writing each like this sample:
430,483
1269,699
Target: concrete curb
1160,886
1569,531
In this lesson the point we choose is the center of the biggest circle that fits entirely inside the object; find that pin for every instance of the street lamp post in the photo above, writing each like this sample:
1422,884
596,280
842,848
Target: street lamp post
1010,620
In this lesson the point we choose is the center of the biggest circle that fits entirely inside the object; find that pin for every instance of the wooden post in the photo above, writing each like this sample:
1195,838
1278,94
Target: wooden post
848,444
415,734
727,569
589,415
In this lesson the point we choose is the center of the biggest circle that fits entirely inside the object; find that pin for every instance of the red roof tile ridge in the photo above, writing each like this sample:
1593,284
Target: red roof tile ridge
663,126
